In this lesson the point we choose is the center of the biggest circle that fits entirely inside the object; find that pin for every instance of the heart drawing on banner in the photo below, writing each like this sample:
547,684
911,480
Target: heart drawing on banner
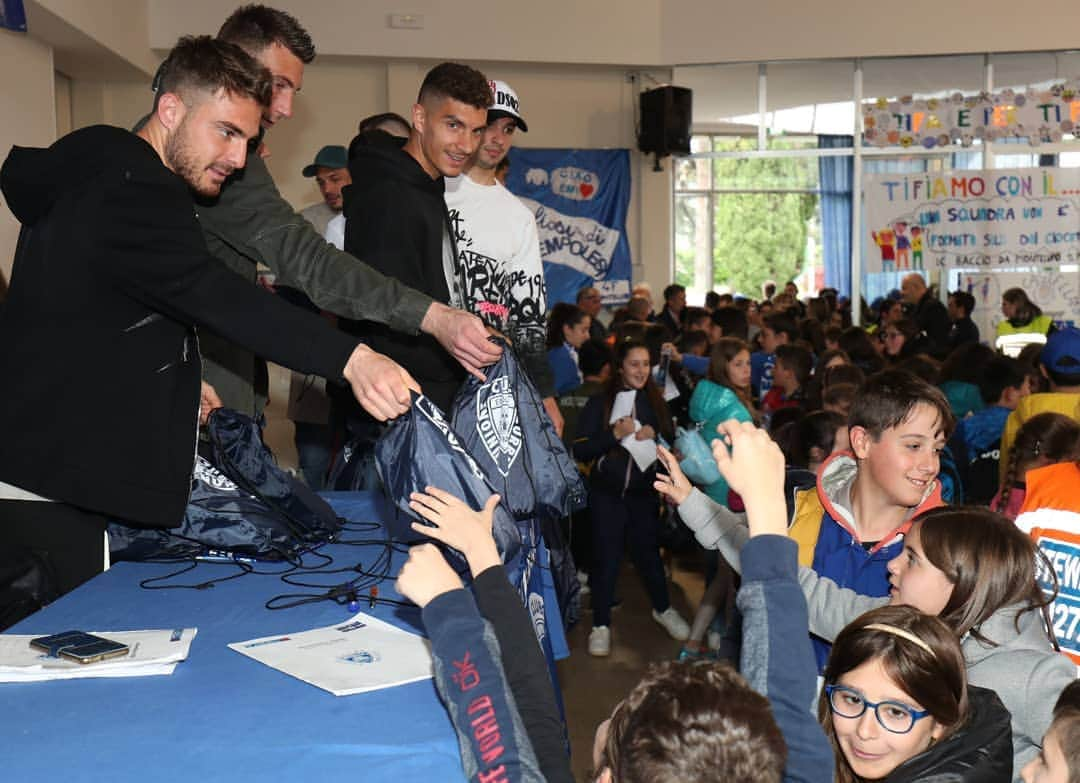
574,183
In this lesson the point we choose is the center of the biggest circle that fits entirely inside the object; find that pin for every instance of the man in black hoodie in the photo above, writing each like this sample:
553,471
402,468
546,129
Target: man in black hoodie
98,342
396,218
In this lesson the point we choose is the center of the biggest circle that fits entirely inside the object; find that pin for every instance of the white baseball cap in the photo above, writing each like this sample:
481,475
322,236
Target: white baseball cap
505,105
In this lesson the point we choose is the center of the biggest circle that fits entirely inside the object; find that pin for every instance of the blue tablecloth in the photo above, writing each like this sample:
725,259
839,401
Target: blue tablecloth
221,715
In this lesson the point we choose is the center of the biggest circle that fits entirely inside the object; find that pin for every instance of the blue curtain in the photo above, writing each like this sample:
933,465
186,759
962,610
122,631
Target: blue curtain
836,177
13,15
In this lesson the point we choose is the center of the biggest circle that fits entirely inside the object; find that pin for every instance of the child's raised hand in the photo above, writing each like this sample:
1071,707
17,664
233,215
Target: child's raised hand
754,468
675,484
457,525
426,575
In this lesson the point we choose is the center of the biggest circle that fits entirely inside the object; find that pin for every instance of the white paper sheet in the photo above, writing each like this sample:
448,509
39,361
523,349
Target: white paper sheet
362,654
152,652
643,451
623,405
671,391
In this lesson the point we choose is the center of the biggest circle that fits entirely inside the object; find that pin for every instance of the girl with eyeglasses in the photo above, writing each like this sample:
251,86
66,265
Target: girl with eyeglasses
967,565
897,706
901,340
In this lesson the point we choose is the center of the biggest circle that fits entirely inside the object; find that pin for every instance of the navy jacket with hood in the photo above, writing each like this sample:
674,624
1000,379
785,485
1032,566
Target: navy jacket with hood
99,352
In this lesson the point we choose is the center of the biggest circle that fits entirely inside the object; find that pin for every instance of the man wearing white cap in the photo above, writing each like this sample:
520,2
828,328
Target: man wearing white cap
499,249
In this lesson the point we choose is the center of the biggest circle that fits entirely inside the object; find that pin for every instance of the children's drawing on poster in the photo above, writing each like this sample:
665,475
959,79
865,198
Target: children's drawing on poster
1056,291
972,219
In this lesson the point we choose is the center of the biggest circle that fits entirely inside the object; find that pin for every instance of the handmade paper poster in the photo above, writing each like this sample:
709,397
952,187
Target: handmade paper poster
1035,115
971,219
1054,289
580,199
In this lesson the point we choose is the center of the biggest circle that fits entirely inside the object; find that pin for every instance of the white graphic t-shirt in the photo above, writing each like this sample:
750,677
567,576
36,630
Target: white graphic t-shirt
499,260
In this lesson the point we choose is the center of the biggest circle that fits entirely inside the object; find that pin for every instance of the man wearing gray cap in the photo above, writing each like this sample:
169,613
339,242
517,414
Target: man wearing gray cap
499,248
331,172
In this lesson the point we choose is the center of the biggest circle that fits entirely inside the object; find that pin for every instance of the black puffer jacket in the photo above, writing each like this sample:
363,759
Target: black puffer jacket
980,752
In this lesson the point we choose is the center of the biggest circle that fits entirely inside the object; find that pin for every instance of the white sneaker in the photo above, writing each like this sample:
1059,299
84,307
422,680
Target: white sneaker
673,623
600,641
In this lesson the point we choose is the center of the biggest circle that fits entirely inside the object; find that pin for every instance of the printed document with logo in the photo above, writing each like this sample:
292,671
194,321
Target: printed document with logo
149,653
362,654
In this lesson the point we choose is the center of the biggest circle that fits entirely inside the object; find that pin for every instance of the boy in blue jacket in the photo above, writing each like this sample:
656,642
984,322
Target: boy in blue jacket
854,521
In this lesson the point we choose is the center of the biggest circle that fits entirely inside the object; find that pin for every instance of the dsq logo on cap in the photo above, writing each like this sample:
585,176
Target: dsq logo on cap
574,183
505,98
505,103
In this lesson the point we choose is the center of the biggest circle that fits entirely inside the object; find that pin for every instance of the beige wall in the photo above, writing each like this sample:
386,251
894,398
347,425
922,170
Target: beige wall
29,111
117,26
651,32
109,103
552,31
705,31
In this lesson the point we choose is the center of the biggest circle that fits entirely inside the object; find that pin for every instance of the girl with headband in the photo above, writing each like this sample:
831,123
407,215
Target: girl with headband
896,705
971,567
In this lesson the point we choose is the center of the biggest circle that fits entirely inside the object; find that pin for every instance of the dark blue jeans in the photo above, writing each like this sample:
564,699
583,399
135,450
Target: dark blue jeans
617,521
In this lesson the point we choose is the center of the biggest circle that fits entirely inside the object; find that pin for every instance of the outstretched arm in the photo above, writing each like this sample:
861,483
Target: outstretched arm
777,658
468,672
456,524
715,526
251,218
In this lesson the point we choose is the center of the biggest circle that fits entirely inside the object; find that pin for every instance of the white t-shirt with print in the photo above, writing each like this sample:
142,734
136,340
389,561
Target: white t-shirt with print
498,258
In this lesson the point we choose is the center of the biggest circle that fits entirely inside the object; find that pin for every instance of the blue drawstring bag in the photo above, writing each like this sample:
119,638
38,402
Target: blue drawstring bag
697,462
241,503
502,423
419,450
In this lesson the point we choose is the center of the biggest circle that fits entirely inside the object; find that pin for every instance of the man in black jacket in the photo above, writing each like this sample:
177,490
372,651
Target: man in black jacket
929,313
396,218
99,348
674,304
963,329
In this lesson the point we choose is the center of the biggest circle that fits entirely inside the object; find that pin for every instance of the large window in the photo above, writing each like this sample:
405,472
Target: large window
741,221
767,190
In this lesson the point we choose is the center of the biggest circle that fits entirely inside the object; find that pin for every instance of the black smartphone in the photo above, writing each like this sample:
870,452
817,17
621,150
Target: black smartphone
80,646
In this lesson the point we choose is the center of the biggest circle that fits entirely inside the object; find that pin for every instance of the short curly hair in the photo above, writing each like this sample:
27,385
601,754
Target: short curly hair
255,27
457,81
692,722
210,64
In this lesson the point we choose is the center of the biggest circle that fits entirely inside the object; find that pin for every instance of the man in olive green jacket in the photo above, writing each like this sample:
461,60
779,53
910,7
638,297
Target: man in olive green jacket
251,223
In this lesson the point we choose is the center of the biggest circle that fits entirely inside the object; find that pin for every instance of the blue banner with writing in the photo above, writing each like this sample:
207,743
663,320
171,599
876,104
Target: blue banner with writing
13,15
580,199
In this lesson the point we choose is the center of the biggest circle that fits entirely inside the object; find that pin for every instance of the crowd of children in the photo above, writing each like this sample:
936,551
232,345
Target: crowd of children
859,533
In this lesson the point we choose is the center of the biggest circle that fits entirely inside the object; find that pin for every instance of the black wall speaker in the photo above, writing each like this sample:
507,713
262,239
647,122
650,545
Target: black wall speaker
666,113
